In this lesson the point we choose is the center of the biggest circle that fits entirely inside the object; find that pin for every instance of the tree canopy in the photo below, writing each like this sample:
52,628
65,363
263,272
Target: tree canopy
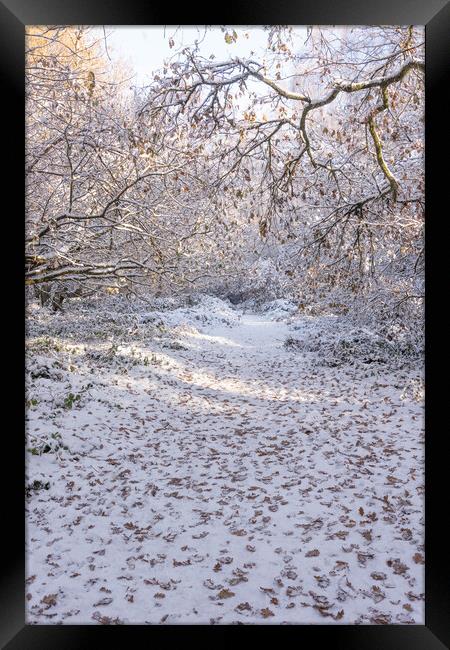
302,168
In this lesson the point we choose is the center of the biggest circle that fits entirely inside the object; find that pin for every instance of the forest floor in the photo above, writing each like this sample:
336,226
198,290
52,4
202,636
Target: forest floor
208,465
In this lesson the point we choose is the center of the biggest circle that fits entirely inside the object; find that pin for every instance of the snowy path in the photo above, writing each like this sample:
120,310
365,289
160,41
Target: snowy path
231,481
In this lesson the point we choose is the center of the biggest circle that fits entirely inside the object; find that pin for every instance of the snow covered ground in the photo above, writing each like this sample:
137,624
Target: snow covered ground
188,466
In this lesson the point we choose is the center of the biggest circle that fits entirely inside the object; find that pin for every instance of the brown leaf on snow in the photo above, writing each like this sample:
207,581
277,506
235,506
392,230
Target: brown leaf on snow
49,600
397,566
225,593
392,480
266,612
340,564
381,619
418,558
413,596
378,576
291,574
314,553
103,620
340,534
363,557
322,581
322,609
104,601
106,620
242,607
292,591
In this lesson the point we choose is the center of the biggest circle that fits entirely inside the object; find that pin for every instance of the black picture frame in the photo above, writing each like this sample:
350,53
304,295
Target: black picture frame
435,15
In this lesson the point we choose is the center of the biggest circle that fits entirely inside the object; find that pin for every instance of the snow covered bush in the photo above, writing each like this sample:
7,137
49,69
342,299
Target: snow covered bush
336,342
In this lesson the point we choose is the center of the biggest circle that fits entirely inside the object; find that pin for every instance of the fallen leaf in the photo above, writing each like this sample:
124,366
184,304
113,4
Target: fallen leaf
103,601
378,576
225,593
267,612
243,607
49,600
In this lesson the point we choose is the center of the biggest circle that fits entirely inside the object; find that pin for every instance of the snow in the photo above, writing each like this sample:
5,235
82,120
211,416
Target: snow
203,471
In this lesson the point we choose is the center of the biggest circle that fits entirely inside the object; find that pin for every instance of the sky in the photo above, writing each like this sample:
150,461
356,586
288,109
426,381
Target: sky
145,48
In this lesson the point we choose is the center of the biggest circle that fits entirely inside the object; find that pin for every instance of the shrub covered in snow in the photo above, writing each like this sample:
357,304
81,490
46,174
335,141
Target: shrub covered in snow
336,343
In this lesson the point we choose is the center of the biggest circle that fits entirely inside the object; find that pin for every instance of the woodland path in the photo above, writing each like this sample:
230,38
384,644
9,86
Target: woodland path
235,482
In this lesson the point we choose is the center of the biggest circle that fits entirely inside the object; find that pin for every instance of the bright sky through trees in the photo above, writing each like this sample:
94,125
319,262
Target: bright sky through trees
145,48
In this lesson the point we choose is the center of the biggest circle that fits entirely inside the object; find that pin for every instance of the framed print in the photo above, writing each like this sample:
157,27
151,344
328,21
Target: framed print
229,299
